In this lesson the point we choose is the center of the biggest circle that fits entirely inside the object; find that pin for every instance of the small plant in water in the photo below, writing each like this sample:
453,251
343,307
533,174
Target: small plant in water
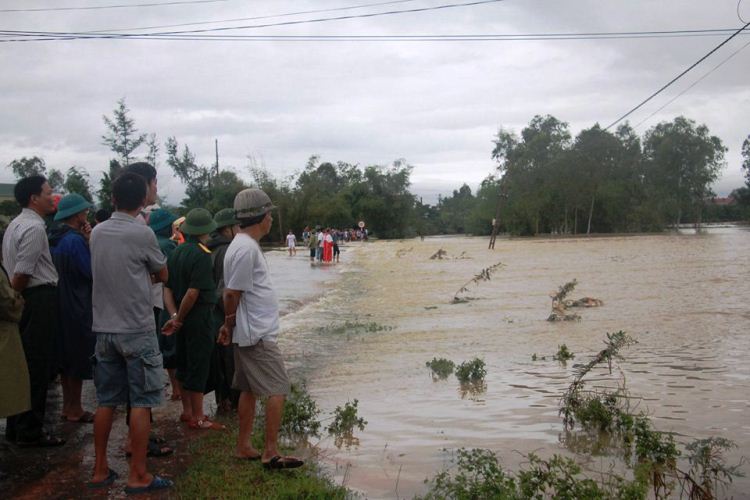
471,372
483,275
441,367
346,419
563,354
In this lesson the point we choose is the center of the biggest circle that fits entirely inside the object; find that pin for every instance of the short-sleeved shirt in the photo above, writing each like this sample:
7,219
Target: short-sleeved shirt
246,270
124,253
190,266
26,249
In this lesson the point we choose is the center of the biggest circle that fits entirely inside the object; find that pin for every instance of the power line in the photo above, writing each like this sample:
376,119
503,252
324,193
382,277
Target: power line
725,60
117,6
677,77
47,36
82,35
255,18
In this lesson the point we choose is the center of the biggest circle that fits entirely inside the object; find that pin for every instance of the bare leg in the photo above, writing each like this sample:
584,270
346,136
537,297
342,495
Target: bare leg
140,427
187,405
74,408
65,394
102,427
274,409
246,413
174,383
196,404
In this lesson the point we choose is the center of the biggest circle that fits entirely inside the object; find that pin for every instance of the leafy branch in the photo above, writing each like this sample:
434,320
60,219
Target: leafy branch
483,275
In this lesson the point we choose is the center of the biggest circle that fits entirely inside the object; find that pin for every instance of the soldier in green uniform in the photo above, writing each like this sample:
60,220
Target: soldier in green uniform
227,226
190,297
160,221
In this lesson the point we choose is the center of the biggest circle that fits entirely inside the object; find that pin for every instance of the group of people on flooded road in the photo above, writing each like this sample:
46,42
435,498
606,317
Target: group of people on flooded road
323,244
131,299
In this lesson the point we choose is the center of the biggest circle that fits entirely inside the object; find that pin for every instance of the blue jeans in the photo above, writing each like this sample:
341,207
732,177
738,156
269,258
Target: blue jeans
128,368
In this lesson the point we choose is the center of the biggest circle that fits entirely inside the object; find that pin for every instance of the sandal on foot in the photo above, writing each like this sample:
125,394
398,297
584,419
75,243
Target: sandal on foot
206,424
111,476
158,483
279,462
86,418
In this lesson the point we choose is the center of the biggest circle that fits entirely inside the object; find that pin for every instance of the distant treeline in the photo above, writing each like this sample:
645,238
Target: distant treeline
545,182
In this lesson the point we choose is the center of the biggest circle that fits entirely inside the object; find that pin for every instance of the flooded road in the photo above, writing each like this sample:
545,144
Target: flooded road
683,297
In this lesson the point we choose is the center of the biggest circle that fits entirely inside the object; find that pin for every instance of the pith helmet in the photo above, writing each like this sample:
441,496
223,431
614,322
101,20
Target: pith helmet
252,202
160,218
71,204
198,221
225,217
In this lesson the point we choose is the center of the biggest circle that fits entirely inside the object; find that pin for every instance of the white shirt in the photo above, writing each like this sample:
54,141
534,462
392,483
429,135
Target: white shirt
320,238
291,240
246,270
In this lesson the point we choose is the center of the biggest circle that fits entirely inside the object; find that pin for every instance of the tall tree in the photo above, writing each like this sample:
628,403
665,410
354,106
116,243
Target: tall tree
122,137
746,160
197,178
25,167
685,160
105,185
153,150
77,181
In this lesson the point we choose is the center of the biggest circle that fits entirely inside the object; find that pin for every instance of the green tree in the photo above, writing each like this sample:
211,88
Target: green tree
746,160
26,167
684,160
77,181
197,178
56,180
105,185
122,137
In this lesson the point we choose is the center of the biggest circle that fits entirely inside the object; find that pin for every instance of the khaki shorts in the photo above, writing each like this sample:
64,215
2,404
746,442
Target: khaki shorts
259,369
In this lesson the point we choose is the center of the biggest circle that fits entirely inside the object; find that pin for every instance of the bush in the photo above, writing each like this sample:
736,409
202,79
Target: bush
441,368
563,354
471,371
345,419
300,413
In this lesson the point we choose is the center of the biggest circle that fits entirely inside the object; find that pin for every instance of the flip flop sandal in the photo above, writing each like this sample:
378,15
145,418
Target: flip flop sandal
106,482
206,424
158,483
279,462
86,418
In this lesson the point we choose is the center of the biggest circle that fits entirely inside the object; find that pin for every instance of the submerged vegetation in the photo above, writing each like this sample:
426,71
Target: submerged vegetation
441,368
471,372
483,275
352,327
559,312
563,354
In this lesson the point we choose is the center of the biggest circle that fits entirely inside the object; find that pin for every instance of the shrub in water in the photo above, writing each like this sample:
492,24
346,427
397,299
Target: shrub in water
300,413
471,371
441,368
345,419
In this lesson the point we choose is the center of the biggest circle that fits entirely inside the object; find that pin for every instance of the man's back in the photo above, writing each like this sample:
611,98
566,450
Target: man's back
123,255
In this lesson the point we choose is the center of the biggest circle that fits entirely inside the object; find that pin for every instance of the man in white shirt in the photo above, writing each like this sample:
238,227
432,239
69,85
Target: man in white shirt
251,322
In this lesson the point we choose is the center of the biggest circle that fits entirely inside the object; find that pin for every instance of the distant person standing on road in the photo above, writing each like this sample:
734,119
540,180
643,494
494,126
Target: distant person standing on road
313,245
251,322
29,264
291,243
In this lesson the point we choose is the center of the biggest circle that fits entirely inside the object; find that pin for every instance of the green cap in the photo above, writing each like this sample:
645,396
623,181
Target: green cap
71,204
225,217
198,221
160,218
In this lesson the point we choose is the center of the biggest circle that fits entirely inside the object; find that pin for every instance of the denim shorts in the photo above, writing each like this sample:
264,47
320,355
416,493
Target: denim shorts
128,368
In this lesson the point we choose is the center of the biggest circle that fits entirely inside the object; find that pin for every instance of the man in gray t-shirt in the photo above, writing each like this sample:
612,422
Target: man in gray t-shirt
125,259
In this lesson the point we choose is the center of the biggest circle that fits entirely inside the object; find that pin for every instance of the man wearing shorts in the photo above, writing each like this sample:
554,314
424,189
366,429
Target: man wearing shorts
251,322
125,259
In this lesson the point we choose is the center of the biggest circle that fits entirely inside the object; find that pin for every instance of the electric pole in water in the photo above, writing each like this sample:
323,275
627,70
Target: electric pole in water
216,144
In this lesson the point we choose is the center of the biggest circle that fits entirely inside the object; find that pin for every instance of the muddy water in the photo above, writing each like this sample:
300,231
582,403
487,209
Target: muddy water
683,297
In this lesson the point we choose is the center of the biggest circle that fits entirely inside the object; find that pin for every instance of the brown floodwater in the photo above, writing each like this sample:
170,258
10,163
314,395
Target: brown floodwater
682,296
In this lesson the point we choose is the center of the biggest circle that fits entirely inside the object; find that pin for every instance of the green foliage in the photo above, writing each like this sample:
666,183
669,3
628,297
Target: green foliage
477,475
352,327
10,208
471,372
26,167
346,419
300,413
563,354
77,181
105,185
483,275
441,367
122,137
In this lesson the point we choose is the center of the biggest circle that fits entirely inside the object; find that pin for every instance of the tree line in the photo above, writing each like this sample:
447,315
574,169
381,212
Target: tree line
545,181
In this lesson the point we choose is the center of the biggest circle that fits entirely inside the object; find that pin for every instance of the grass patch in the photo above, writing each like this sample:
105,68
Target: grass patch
215,473
350,327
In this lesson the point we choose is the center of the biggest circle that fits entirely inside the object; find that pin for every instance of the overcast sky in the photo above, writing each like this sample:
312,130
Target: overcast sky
436,104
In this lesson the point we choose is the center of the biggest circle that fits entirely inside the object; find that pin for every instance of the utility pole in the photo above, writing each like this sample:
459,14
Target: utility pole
216,144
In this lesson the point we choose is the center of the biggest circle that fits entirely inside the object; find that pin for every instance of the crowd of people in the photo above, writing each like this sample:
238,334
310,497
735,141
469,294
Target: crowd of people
140,296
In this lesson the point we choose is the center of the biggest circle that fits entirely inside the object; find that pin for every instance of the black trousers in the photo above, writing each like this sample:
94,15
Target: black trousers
38,328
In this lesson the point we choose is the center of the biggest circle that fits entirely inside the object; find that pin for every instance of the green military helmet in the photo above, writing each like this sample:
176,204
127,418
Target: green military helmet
197,222
160,219
225,217
71,204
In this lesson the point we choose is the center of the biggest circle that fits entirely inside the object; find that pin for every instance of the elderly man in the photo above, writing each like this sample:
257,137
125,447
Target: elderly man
251,322
69,246
27,259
